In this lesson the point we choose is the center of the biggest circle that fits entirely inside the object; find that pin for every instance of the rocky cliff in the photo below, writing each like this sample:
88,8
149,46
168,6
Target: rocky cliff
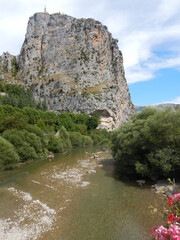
75,64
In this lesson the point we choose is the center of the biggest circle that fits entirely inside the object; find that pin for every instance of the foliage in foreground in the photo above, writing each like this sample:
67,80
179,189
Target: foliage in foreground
8,156
149,144
28,145
172,228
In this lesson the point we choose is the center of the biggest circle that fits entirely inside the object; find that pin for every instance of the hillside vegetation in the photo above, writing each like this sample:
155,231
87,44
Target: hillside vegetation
28,131
149,144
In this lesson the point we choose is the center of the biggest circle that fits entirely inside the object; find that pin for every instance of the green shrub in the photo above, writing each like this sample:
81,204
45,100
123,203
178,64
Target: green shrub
76,139
2,86
32,114
33,140
8,156
27,145
19,97
41,124
65,120
100,137
55,144
87,141
63,133
79,118
92,123
148,145
64,138
26,152
17,120
66,143
38,132
82,129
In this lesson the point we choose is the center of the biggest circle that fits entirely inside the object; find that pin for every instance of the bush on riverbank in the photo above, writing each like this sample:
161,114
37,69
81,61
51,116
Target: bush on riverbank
27,145
149,144
8,156
60,143
101,137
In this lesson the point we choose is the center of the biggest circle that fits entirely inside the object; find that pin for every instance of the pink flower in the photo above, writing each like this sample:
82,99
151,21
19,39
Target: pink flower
174,232
172,218
175,198
160,232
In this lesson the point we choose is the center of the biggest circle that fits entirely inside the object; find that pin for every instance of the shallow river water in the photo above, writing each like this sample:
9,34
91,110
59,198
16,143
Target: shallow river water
71,197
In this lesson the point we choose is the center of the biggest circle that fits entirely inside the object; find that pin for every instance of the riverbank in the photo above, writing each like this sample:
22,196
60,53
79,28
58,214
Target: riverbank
166,188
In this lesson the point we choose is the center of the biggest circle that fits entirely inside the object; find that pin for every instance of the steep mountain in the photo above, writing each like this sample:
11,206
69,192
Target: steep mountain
75,64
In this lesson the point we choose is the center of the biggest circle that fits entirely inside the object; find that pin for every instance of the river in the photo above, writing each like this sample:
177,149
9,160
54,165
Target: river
71,197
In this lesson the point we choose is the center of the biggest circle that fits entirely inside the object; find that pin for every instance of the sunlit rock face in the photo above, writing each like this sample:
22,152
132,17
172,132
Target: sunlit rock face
77,66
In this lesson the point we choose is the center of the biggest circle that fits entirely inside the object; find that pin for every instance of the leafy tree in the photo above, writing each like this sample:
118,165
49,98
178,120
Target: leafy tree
82,129
33,115
92,123
38,132
8,156
76,139
79,118
148,145
64,119
100,137
27,145
87,141
64,137
17,120
18,96
55,144
41,124
2,86
96,115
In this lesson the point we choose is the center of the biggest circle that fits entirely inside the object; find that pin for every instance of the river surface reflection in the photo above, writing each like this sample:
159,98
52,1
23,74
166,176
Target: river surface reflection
71,197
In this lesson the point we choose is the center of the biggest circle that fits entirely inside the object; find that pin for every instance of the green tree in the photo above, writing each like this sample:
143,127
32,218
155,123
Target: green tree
64,119
55,144
64,137
100,137
38,132
41,124
92,123
27,145
8,156
76,139
148,145
87,141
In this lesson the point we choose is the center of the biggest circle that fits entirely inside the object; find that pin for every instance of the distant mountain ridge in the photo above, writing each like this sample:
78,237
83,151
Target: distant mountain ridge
161,105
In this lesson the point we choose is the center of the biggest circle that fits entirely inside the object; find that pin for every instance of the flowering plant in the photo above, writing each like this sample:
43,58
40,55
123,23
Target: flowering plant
172,228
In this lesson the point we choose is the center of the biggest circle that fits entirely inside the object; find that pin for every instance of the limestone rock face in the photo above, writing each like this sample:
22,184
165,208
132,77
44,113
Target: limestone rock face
6,62
77,66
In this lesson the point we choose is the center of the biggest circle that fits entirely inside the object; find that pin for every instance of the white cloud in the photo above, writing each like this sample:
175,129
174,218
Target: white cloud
176,100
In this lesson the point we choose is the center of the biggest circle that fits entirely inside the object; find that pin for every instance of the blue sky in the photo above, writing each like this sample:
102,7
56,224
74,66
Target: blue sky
148,32
165,85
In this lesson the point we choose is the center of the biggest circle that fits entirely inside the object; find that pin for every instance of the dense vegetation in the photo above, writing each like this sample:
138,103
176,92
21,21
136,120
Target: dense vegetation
28,131
20,97
149,144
